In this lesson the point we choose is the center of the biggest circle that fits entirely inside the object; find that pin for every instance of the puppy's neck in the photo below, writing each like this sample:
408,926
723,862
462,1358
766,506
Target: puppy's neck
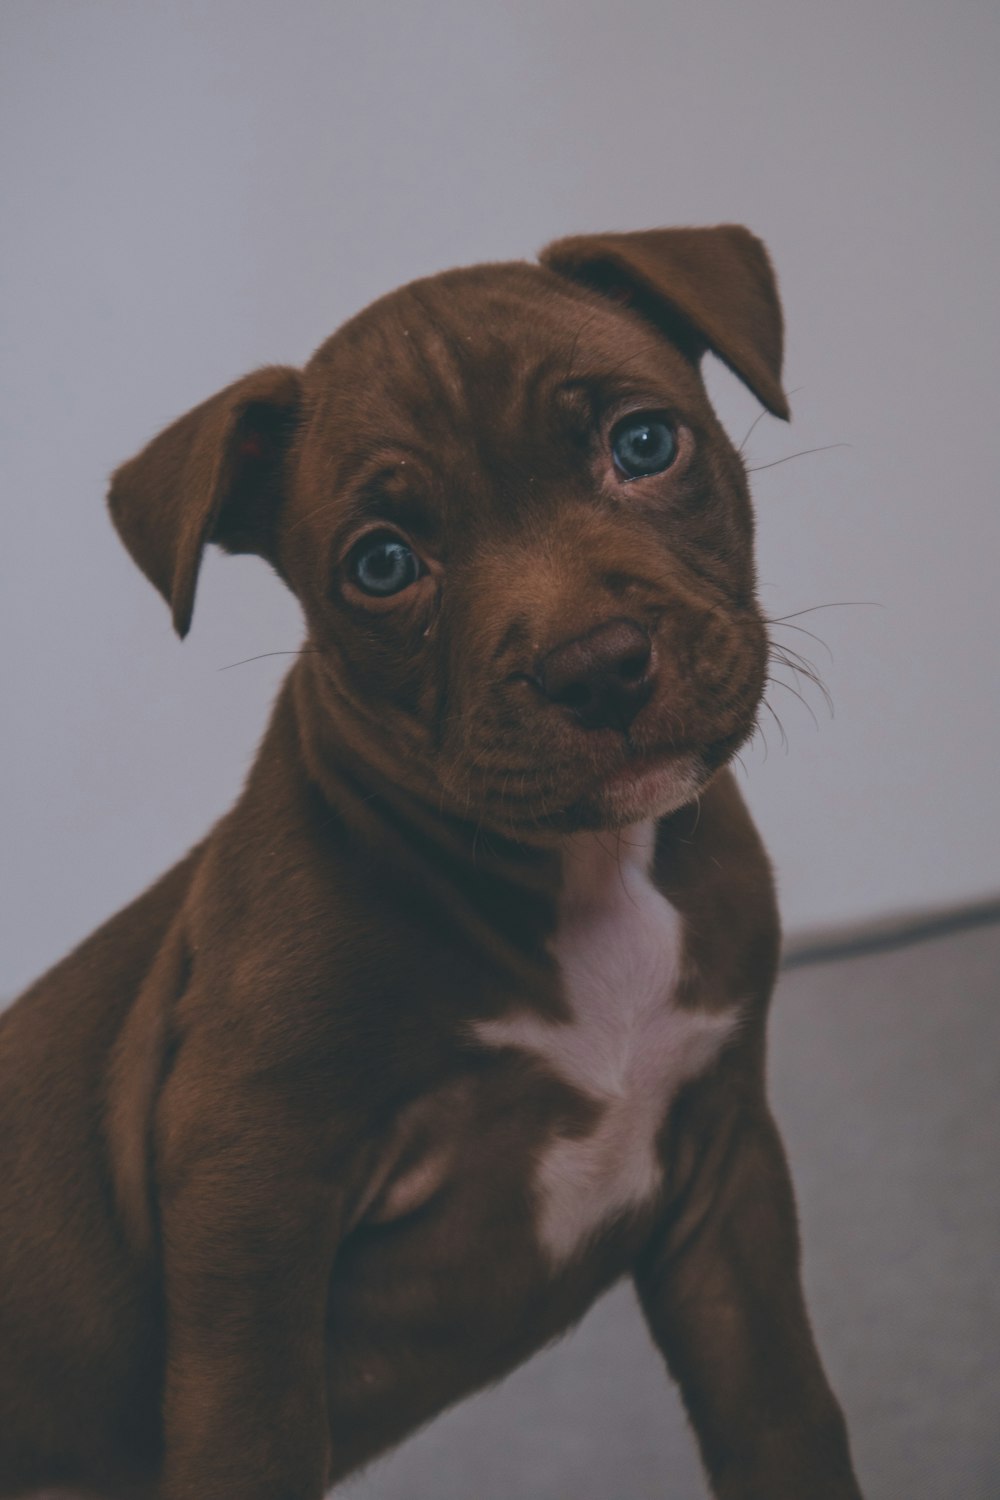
597,865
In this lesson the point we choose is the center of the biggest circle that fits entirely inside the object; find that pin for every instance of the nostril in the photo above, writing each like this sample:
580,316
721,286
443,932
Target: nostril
574,695
633,667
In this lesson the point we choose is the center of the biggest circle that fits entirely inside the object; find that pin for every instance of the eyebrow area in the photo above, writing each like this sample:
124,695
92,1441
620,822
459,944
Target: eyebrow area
394,488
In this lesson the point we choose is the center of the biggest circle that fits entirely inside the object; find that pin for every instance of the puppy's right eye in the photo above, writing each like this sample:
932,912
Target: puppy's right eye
383,565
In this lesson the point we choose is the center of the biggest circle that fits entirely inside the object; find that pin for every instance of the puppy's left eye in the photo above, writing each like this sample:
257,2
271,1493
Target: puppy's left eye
384,565
643,443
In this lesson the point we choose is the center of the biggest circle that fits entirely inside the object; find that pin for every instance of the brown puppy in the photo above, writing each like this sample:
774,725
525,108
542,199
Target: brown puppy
458,1016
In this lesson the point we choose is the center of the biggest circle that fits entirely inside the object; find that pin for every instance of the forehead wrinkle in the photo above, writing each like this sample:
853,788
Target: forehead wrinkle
478,386
438,353
385,364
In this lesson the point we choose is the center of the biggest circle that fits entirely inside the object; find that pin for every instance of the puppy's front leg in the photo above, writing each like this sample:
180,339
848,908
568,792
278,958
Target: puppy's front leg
721,1291
248,1247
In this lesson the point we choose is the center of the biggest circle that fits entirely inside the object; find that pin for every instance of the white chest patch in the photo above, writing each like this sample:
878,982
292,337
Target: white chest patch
627,1045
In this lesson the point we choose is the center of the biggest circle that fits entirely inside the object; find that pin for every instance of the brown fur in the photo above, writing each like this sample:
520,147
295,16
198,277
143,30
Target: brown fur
264,1206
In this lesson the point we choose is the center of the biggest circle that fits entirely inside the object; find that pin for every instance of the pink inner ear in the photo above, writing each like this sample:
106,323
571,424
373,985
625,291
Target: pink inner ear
251,446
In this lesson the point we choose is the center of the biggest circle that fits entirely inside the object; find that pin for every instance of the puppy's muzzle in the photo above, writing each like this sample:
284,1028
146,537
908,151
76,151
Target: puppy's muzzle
603,677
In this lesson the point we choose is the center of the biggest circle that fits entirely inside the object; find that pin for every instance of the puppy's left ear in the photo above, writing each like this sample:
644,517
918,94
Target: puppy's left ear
214,475
707,288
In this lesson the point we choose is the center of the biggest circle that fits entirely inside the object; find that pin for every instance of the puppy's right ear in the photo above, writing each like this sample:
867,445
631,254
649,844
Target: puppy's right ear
707,288
212,476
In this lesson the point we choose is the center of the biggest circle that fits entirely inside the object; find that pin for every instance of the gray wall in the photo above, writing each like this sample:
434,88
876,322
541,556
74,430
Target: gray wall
193,189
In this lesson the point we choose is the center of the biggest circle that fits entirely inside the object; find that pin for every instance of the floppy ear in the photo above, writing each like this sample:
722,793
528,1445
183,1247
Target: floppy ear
212,476
707,288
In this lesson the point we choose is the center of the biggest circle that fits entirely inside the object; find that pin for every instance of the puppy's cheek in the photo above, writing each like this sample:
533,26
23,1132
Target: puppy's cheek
712,681
385,683
382,650
751,656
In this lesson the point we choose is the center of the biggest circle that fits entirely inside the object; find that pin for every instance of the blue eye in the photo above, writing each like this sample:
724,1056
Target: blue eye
643,443
384,565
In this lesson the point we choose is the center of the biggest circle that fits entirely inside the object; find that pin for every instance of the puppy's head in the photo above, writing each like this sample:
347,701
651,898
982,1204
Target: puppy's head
521,539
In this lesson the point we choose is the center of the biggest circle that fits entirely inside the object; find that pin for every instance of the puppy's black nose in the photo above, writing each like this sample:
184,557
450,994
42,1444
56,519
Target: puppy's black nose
603,677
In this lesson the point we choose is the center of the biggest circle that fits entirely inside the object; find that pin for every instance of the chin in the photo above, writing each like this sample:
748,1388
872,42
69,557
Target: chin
636,794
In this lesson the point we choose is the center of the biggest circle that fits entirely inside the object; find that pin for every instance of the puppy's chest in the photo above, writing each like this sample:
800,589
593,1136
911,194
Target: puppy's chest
625,1045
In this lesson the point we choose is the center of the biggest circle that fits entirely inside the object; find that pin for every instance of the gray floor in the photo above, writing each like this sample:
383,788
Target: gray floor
885,1079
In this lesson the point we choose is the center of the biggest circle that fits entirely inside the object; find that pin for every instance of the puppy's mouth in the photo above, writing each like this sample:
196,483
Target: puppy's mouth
571,776
651,784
